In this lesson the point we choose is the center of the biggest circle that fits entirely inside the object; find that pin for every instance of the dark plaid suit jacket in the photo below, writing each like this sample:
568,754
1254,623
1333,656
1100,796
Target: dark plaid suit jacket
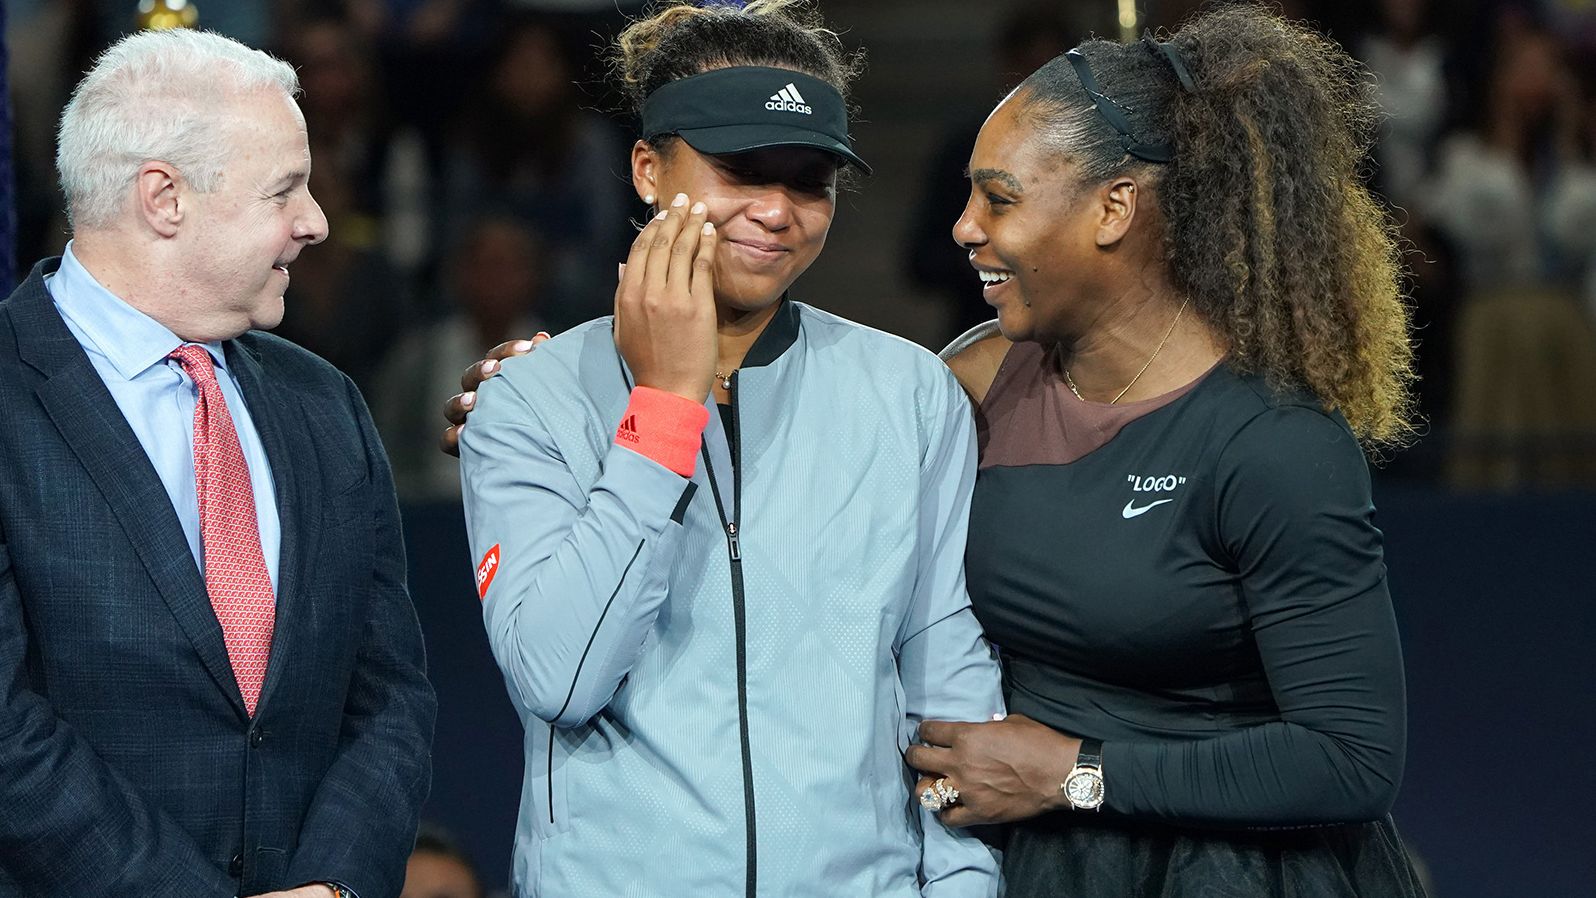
128,766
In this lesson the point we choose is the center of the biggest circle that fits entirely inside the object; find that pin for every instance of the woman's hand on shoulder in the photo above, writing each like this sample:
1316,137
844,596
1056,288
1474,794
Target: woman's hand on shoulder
975,358
1004,770
458,407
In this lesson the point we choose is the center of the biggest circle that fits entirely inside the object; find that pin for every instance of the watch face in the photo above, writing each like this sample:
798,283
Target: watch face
1084,789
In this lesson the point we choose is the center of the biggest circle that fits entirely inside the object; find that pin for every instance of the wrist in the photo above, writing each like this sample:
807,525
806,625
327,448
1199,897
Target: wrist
1083,788
663,426
685,392
1056,799
1060,755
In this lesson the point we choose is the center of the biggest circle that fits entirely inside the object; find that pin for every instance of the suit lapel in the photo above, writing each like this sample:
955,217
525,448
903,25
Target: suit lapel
92,425
280,421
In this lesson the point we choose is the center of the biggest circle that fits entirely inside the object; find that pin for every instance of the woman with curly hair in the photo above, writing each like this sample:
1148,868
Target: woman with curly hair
1172,536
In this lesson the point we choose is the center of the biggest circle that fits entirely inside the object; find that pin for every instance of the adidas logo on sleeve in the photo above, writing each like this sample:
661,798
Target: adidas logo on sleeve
628,430
788,99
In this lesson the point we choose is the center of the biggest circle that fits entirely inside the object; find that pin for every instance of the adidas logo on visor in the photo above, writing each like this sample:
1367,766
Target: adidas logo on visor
788,99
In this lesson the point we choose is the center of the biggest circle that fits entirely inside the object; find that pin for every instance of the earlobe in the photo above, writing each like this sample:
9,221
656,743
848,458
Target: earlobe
159,193
645,171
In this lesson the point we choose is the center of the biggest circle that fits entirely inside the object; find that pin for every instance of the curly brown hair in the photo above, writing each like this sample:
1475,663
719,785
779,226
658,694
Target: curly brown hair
1269,228
680,39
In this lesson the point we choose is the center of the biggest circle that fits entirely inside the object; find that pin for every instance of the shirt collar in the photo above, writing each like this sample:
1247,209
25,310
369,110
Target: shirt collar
130,340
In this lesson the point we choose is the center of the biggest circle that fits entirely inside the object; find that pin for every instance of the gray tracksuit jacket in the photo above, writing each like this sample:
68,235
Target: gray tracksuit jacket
718,676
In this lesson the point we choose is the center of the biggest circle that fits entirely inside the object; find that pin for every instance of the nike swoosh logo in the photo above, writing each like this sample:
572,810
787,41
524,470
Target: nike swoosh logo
1131,511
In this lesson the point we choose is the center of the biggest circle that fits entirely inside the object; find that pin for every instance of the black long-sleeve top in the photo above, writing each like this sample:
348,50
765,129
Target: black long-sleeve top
1202,588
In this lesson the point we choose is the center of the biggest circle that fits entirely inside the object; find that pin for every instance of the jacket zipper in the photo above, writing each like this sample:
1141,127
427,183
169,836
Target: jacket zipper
740,619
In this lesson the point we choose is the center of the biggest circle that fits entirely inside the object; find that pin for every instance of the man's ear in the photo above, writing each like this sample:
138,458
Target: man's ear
161,196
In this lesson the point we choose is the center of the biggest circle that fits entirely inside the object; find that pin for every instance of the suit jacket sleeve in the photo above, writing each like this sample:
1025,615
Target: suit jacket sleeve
70,824
362,823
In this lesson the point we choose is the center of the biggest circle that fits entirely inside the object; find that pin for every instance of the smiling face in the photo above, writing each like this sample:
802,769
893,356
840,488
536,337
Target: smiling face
772,208
243,235
1035,232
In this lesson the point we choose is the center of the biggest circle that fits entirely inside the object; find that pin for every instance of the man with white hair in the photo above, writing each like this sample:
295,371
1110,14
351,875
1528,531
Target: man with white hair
211,676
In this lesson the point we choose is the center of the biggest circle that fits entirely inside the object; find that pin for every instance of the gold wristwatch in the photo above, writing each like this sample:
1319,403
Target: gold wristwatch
1083,787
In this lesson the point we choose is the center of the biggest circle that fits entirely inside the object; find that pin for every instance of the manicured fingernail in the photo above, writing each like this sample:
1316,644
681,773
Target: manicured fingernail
490,366
709,228
468,399
698,208
681,200
544,334
523,346
620,270
661,216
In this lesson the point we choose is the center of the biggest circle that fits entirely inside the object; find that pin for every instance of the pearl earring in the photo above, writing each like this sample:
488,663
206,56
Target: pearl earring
648,199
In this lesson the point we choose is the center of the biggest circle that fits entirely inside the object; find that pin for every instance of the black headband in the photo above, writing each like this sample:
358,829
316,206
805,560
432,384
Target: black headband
1114,112
741,108
1176,59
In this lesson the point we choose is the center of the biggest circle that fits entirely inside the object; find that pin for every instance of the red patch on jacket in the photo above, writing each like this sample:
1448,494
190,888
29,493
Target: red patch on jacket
486,570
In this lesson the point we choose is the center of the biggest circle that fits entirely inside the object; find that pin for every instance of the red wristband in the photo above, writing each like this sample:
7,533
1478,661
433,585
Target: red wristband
665,427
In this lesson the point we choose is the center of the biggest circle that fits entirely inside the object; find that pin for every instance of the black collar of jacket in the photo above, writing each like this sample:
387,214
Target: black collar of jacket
778,336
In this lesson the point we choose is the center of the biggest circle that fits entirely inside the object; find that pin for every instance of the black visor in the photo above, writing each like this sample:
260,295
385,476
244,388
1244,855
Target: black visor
742,108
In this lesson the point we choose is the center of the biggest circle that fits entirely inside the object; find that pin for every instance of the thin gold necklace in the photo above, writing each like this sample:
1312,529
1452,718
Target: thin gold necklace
1070,381
725,379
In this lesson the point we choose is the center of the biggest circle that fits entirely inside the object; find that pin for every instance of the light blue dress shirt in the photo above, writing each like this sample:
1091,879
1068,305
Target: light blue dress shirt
129,349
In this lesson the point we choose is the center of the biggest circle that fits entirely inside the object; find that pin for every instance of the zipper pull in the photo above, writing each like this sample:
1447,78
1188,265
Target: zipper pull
731,540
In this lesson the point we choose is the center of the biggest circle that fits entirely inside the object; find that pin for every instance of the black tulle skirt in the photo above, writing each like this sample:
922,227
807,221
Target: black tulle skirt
1079,856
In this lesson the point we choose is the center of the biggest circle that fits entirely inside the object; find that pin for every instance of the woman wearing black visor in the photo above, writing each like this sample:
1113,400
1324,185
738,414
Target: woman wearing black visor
721,535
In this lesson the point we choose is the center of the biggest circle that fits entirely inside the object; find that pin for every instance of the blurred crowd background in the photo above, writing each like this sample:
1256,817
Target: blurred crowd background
471,159
473,168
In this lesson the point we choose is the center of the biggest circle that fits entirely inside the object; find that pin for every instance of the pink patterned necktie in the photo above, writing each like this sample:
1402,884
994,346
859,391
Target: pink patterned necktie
235,568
